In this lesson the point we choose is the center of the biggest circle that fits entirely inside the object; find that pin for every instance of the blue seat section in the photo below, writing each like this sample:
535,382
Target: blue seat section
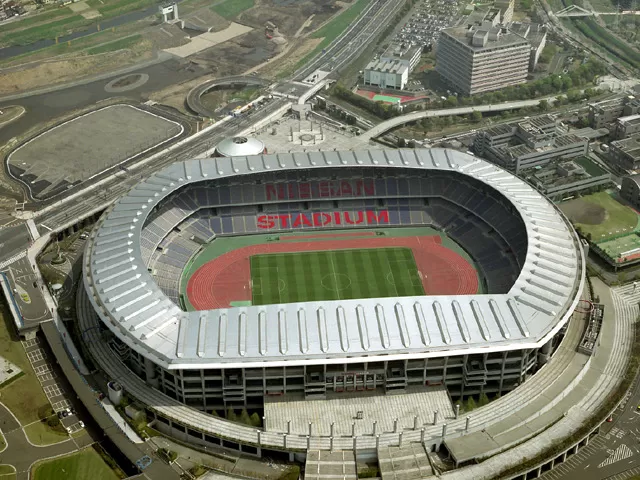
480,220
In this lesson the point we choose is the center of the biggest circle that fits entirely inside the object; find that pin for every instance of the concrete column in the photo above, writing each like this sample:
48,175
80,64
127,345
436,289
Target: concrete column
466,424
564,457
538,471
353,429
264,423
395,425
435,417
377,441
331,443
331,428
308,442
150,373
400,439
259,437
289,427
284,440
444,430
375,427
355,444
422,435
310,428
457,410
415,422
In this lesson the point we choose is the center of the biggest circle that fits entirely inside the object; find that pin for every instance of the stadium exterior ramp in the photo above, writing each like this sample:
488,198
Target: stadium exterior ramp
129,302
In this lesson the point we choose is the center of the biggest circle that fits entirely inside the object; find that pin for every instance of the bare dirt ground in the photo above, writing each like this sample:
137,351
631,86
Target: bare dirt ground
288,17
37,75
583,212
295,53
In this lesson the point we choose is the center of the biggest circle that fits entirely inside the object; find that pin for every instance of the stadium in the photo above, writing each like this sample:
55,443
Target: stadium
218,284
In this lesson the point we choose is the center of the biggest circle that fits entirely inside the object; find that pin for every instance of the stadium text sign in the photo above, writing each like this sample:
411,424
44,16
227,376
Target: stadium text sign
321,189
321,219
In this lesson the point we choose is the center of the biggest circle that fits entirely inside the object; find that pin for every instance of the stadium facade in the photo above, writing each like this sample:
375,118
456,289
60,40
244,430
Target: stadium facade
528,255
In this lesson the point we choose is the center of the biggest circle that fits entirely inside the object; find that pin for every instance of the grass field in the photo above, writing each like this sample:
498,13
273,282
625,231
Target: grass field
601,216
78,466
232,8
334,275
120,44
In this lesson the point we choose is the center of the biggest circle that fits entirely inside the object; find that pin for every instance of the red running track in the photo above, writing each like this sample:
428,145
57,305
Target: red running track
227,278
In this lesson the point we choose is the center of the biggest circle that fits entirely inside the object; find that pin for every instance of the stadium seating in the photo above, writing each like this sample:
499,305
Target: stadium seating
479,220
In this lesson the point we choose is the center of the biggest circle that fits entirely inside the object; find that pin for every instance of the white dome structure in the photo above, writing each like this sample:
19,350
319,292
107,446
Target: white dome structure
240,147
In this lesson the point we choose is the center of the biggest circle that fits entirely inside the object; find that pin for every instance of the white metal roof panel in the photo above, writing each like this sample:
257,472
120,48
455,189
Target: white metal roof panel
131,304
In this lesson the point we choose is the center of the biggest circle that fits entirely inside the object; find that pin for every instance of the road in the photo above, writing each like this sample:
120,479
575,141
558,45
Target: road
20,452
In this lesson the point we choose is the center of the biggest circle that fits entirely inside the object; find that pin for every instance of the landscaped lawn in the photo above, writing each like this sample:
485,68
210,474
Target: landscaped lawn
41,434
24,397
7,472
83,465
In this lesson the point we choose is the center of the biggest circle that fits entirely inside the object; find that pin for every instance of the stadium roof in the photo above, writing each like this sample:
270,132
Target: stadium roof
127,299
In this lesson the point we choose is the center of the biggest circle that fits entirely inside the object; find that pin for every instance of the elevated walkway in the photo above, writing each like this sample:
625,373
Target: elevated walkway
603,374
537,411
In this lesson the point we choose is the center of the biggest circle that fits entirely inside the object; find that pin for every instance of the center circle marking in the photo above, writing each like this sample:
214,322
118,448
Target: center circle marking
336,282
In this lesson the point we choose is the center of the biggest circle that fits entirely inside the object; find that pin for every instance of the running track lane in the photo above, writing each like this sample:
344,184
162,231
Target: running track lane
226,279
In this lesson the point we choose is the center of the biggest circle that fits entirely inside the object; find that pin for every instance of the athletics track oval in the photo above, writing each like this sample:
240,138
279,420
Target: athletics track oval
227,278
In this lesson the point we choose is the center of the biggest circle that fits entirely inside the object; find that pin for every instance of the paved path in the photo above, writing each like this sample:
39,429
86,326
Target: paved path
20,452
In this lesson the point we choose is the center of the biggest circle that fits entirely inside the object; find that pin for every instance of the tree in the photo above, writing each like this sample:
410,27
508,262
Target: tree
476,116
543,105
401,142
451,102
244,417
256,421
411,144
231,415
484,400
471,404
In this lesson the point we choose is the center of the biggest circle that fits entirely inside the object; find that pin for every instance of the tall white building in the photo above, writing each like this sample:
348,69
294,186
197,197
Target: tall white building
393,68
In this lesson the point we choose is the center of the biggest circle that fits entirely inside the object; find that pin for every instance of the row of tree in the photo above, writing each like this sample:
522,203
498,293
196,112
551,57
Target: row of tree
252,420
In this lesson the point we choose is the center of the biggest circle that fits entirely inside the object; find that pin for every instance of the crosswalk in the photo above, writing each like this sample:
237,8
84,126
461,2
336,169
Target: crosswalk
621,453
15,258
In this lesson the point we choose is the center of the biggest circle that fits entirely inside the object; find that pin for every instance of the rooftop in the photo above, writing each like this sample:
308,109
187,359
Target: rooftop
630,146
479,38
630,120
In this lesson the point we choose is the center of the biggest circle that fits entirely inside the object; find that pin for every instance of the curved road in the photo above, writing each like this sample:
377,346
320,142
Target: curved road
194,96
413,116
20,452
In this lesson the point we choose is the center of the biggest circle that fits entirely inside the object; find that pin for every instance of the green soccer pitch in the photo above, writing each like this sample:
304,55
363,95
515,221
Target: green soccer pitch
334,275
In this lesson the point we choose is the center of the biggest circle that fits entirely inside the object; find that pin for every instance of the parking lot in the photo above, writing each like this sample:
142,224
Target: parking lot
54,389
426,21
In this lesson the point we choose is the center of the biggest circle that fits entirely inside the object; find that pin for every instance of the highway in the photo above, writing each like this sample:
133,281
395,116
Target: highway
372,20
